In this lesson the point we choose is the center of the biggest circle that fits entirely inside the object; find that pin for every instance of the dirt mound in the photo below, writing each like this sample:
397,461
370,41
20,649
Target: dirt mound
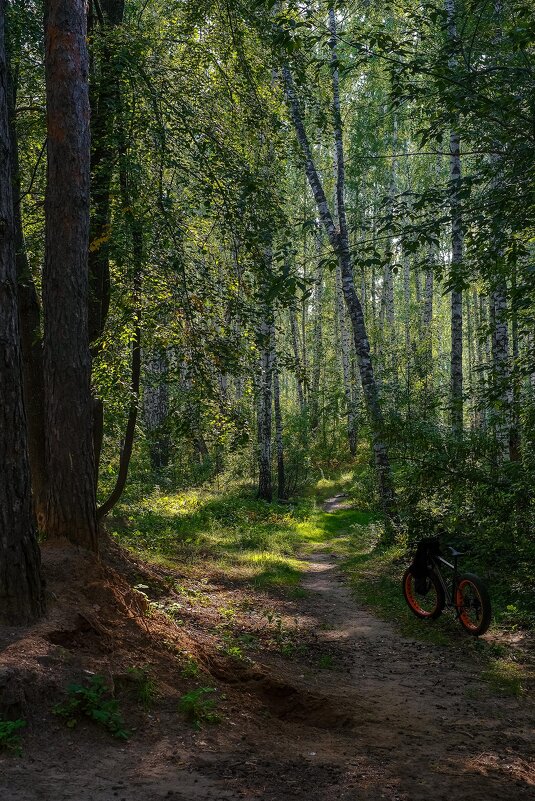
281,698
287,702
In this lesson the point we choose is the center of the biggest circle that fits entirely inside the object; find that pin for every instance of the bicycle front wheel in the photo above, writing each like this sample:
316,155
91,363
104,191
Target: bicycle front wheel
425,599
472,602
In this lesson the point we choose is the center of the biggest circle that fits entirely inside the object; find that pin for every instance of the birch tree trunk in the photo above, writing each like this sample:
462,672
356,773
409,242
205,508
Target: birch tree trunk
265,382
317,344
340,244
501,372
279,442
21,589
71,506
345,354
297,360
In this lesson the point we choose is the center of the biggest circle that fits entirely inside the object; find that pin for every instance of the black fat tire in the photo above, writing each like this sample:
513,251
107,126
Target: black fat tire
479,627
412,600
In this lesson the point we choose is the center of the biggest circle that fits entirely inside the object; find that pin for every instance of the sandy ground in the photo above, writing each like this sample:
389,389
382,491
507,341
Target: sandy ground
393,719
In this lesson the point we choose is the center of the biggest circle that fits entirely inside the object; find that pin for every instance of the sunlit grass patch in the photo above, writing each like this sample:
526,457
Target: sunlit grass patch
270,569
504,677
233,533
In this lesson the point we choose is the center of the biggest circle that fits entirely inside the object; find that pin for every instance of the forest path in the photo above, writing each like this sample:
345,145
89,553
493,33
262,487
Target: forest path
359,713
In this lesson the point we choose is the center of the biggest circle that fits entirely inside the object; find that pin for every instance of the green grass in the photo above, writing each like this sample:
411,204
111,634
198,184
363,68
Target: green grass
231,531
248,540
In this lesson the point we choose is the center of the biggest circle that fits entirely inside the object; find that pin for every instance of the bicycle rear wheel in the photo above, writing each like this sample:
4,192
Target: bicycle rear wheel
473,606
428,604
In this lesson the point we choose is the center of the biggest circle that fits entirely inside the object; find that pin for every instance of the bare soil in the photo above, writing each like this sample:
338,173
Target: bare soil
331,703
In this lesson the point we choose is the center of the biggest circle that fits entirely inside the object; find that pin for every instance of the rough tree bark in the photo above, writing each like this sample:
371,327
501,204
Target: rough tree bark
21,589
71,494
30,327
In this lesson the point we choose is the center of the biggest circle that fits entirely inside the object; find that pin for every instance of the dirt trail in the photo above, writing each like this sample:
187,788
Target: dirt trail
394,719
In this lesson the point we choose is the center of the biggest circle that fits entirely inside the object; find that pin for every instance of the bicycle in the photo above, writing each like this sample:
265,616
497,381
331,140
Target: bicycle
427,591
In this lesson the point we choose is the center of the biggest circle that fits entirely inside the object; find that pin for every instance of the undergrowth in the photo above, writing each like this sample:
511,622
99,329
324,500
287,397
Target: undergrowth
198,707
95,702
230,532
10,739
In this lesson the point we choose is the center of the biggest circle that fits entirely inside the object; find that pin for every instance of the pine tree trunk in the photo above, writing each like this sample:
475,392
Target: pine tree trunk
21,589
71,496
30,331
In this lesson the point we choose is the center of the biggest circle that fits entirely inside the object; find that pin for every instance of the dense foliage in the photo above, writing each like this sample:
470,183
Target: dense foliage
210,256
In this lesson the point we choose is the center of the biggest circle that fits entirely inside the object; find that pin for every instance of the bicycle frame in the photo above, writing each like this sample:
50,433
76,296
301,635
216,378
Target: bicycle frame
448,593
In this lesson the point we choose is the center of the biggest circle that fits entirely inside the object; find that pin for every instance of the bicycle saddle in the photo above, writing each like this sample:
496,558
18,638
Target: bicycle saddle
454,551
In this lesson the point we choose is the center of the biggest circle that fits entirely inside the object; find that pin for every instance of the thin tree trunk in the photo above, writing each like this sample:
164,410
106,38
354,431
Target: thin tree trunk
297,360
501,372
317,345
515,442
457,246
345,355
105,103
340,244
21,589
265,484
281,478
471,359
71,506
156,408
128,442
479,361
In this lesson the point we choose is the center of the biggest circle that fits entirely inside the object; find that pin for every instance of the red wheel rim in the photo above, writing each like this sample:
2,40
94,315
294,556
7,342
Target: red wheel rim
463,610
413,600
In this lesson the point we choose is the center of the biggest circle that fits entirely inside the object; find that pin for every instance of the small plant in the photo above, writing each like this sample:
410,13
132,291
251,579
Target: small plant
228,612
234,651
10,740
190,669
145,687
282,637
326,662
95,702
198,708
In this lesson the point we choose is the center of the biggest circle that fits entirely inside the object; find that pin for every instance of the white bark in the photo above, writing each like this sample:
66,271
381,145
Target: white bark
340,244
345,357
